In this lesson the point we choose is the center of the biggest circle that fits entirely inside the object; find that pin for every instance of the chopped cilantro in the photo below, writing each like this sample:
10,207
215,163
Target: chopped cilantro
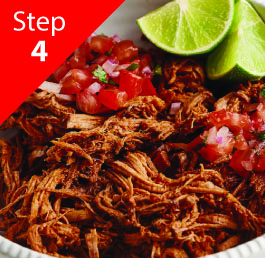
113,82
157,70
205,140
262,92
132,67
108,53
261,136
100,74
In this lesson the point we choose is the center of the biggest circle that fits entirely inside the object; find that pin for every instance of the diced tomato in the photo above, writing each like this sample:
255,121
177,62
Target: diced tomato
91,68
148,89
256,121
74,81
261,97
197,142
110,87
242,161
101,60
101,43
234,121
145,60
216,143
238,121
115,79
130,83
125,51
259,164
62,70
257,124
261,111
77,61
210,153
88,102
84,50
218,118
241,143
70,86
122,74
248,139
112,98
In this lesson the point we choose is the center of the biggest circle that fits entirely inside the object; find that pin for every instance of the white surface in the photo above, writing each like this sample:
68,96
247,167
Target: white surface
122,22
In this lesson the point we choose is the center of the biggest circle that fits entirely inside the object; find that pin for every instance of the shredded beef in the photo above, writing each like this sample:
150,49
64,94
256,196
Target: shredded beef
127,184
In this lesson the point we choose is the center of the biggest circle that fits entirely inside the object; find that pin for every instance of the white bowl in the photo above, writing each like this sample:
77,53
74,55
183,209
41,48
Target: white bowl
122,22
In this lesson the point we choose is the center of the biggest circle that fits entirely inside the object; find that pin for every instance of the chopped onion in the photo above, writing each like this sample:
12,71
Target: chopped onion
211,139
260,107
109,66
114,74
64,97
116,38
219,139
174,108
94,87
51,87
147,71
224,134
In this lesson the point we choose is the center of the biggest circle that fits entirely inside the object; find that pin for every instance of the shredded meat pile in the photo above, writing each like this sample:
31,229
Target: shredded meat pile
127,185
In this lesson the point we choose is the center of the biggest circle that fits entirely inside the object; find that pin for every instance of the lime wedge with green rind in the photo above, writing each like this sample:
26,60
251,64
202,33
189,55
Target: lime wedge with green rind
241,55
188,27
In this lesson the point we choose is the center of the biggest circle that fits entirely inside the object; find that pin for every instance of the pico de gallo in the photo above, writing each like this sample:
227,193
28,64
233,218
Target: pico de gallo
105,72
240,135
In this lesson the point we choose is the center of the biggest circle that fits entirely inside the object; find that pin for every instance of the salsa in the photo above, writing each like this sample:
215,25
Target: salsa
104,73
240,135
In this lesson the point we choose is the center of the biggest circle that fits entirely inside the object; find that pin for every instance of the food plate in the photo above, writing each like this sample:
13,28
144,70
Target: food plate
122,22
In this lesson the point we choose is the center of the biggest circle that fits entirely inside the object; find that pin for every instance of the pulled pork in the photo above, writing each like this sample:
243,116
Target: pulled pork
127,185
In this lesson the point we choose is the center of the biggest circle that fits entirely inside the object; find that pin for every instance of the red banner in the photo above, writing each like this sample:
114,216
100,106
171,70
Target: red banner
54,29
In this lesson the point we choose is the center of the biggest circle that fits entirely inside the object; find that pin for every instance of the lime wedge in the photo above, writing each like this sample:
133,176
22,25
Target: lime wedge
188,27
241,55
